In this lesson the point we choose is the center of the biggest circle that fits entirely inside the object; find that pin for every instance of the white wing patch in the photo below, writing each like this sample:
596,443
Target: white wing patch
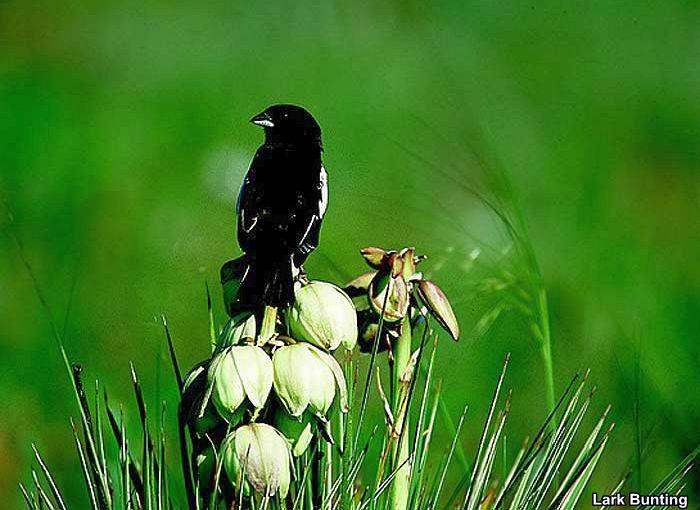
308,228
247,228
323,203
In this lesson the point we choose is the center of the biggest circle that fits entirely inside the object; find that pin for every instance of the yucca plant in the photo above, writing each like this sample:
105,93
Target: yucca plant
275,419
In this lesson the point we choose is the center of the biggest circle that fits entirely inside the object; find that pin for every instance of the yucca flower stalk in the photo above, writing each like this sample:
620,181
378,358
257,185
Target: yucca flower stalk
396,293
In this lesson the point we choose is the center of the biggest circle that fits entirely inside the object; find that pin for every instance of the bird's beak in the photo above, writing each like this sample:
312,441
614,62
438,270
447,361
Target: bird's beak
262,119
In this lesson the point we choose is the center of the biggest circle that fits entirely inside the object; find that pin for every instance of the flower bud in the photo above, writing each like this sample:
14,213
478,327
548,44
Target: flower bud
395,264
237,373
306,377
395,305
257,455
237,330
323,315
194,390
439,307
359,286
409,263
375,257
296,430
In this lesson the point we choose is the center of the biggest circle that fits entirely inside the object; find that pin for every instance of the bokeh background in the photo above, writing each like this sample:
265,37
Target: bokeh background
124,137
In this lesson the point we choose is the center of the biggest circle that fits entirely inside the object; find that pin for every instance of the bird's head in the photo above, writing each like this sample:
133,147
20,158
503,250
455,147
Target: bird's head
289,124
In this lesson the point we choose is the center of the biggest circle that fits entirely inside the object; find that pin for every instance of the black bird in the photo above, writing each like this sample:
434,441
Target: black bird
280,207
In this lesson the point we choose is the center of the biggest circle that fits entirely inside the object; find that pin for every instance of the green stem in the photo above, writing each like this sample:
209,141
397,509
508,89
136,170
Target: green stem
346,432
402,357
546,349
267,328
317,473
328,477
309,493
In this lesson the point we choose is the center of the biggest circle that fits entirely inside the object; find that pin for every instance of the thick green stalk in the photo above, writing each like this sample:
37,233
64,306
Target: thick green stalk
347,432
402,357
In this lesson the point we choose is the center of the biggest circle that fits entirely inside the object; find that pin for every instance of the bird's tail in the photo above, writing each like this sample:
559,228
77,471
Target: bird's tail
252,282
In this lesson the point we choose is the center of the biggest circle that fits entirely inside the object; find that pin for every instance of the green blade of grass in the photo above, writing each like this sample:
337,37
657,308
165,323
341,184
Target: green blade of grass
43,497
86,471
368,379
574,492
173,355
448,458
677,474
27,497
487,425
583,453
47,474
119,434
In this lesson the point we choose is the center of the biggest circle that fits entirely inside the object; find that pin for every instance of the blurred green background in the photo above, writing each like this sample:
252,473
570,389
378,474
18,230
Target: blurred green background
124,137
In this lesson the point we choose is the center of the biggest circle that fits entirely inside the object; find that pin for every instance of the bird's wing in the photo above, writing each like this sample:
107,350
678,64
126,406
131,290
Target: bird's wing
313,223
247,206
247,216
308,240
